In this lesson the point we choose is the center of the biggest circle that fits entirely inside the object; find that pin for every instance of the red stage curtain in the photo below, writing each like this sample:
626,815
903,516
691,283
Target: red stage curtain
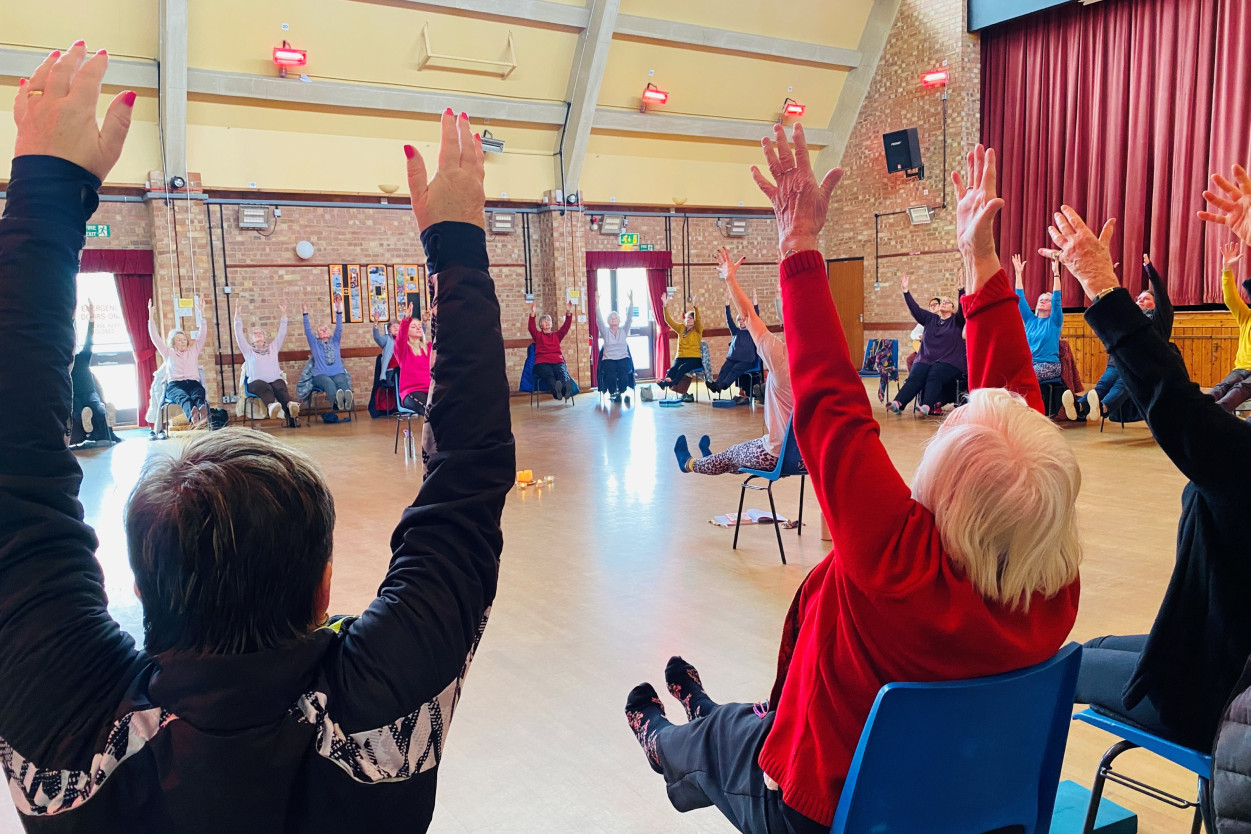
657,265
1119,110
132,270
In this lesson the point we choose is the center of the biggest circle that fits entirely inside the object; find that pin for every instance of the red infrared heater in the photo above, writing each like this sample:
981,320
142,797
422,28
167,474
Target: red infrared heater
653,95
937,78
792,109
285,57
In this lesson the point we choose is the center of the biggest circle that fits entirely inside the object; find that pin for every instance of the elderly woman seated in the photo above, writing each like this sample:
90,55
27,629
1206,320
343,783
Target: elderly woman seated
941,360
971,572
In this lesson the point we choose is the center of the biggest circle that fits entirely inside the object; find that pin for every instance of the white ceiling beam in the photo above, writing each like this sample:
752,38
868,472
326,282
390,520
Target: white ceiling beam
856,85
370,97
694,126
527,11
123,72
586,76
674,32
172,50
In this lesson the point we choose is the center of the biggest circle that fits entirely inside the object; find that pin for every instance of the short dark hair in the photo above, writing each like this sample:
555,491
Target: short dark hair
936,298
1246,285
229,541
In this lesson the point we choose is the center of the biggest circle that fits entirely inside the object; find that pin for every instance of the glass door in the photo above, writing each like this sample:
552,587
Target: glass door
614,287
112,357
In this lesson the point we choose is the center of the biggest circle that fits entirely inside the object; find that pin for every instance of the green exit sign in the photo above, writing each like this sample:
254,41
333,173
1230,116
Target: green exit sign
647,247
97,230
629,239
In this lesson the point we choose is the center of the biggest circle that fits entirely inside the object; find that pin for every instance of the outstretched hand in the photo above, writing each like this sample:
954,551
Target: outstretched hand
1089,258
456,193
55,112
1234,200
1018,264
568,308
1230,253
977,203
727,267
799,204
904,282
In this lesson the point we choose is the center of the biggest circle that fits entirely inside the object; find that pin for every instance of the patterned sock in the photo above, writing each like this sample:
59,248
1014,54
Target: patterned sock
684,454
646,715
705,446
685,685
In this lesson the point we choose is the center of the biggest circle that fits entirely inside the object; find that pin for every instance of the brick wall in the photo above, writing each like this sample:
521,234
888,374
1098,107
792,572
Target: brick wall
927,35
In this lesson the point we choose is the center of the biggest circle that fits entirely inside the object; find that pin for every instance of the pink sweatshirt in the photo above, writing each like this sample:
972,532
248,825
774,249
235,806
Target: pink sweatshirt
414,367
184,364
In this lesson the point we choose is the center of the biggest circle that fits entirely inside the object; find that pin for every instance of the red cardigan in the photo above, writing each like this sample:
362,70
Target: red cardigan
887,604
547,345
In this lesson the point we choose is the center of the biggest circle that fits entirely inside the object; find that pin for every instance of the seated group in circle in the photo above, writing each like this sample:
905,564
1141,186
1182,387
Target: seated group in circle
244,679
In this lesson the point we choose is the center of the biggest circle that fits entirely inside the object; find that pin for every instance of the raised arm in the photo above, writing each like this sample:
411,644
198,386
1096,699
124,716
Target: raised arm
338,326
629,318
1229,284
281,335
1163,304
699,323
923,317
675,326
84,355
729,318
566,324
308,331
158,340
833,421
64,663
240,338
413,644
1201,439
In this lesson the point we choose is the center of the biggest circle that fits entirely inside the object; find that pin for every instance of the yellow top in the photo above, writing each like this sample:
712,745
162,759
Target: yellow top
1242,314
688,340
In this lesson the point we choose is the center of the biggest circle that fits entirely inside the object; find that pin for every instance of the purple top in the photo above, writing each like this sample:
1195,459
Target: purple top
944,338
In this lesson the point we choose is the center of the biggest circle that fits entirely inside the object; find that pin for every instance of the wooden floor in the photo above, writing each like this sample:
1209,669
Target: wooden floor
616,567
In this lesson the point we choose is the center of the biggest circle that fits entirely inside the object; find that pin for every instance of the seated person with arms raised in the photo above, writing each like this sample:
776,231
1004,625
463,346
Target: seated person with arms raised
262,368
920,585
242,712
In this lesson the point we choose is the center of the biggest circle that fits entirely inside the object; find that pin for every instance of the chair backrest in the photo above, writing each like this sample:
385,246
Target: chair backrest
399,403
705,354
963,757
791,463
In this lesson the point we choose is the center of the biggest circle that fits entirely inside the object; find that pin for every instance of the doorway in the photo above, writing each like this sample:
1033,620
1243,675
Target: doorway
112,356
612,289
846,277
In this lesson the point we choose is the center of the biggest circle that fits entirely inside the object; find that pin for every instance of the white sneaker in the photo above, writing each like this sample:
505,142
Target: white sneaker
1093,400
1070,407
338,400
925,411
294,408
274,410
87,424
349,400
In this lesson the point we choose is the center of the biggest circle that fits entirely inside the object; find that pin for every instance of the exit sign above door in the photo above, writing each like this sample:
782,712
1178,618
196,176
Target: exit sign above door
98,230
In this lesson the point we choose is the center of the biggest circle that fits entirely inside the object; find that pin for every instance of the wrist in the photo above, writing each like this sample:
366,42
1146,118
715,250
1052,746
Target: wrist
793,243
1100,284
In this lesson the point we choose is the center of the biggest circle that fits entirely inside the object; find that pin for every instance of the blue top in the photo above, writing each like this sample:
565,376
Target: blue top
326,358
1043,334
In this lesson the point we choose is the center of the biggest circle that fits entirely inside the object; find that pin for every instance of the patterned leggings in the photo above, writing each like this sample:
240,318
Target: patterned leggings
749,455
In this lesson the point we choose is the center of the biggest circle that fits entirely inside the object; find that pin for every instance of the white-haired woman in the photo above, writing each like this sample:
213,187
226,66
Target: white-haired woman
973,572
549,362
615,367
183,355
261,367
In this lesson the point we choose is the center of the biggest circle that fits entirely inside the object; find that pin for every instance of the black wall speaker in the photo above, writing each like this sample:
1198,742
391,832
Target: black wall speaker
903,151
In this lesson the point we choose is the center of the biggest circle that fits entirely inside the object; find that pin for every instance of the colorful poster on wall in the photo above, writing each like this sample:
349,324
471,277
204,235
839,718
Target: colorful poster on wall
355,312
336,287
379,292
408,278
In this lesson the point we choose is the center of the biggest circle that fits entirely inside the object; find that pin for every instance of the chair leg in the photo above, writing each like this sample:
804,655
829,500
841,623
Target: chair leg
800,528
396,450
738,519
777,528
1203,812
1101,776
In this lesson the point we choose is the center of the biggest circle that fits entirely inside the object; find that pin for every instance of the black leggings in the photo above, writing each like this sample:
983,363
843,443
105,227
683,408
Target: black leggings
416,401
928,381
556,376
682,366
187,394
613,375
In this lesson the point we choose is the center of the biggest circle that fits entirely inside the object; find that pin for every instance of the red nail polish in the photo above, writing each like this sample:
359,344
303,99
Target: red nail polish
79,43
478,137
463,115
129,97
102,52
21,83
448,111
410,151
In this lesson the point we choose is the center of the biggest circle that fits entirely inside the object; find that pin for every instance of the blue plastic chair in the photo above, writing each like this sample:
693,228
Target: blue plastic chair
247,407
1195,761
790,463
402,413
963,757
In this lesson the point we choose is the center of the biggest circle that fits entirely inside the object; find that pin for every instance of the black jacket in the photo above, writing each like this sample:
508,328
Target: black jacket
80,375
1161,316
1231,764
1201,638
342,731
